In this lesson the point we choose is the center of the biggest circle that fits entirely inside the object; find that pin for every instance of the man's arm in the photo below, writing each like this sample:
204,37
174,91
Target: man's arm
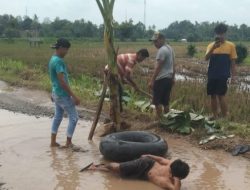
233,70
130,81
174,68
66,87
177,183
156,72
167,184
210,52
158,159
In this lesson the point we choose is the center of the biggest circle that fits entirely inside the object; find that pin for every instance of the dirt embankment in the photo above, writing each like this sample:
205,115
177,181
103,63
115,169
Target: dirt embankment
32,102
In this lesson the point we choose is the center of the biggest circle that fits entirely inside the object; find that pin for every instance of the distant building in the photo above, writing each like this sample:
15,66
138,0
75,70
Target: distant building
33,38
35,42
184,40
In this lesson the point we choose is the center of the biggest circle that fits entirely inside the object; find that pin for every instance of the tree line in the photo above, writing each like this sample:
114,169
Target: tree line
15,27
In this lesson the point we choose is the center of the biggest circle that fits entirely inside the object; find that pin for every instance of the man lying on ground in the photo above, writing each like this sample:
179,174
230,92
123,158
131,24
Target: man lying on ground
158,170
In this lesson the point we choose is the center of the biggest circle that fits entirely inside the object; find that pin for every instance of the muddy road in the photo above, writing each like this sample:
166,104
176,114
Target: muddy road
27,162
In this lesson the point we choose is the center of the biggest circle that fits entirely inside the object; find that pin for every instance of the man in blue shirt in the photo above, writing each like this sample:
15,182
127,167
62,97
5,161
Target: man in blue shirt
62,95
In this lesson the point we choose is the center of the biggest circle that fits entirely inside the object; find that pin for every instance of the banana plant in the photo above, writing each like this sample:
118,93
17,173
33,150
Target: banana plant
106,9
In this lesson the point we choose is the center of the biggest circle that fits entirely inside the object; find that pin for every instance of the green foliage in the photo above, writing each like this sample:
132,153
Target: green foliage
181,121
11,66
191,50
241,53
11,26
185,122
87,58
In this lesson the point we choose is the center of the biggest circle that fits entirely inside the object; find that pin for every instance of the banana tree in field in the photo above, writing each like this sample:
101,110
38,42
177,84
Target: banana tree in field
106,9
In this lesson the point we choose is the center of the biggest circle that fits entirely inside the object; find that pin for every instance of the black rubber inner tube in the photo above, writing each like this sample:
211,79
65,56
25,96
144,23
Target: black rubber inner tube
129,145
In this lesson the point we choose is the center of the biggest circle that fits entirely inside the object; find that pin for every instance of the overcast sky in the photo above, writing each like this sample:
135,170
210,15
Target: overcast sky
158,12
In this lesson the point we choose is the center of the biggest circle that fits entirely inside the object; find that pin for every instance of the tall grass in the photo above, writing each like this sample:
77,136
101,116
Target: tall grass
23,65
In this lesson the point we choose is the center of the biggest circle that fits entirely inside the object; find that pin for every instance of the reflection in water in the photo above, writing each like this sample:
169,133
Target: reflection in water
213,174
247,176
65,169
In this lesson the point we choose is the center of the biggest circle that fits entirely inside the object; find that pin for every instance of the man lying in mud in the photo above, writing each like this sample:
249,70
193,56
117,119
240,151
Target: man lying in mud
158,170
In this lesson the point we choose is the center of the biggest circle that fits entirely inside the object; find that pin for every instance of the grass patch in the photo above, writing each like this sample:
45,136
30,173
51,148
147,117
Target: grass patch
28,66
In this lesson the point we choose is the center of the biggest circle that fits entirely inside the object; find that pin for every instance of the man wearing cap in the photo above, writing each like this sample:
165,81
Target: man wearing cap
164,74
62,95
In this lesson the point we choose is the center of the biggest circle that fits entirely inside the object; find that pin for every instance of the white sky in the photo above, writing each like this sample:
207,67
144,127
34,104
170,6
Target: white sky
158,12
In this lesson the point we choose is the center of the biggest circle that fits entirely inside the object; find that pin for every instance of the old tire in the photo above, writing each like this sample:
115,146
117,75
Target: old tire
129,145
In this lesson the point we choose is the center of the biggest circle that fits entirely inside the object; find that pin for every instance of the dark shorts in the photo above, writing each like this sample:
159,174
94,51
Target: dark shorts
217,87
161,91
136,169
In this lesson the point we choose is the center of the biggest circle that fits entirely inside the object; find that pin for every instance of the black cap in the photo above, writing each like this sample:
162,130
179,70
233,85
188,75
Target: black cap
61,42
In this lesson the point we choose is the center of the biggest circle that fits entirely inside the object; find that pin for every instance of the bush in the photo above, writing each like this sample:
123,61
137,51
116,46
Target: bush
191,50
241,52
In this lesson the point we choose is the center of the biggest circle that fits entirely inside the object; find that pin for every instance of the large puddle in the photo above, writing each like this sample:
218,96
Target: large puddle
28,163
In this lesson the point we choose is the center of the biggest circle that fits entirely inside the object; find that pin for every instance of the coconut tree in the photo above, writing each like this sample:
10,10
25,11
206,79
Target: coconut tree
106,9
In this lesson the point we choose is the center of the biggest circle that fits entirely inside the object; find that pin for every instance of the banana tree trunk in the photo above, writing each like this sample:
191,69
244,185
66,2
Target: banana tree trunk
106,9
115,102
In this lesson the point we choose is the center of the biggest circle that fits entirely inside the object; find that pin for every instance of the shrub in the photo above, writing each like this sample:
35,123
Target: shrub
241,52
191,50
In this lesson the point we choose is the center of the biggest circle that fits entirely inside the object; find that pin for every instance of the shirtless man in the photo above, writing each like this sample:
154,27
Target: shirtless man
158,170
126,63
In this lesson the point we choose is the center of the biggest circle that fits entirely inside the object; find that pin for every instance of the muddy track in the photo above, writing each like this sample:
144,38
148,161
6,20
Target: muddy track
32,102
16,105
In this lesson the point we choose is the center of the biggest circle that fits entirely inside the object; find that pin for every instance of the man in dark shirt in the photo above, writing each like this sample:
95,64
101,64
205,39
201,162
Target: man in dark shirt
222,56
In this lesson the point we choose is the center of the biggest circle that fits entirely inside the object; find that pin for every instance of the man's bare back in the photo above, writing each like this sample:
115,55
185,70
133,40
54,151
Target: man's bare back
162,172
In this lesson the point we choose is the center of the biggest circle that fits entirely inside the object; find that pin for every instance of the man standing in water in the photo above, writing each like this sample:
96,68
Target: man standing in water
164,74
158,170
221,55
62,95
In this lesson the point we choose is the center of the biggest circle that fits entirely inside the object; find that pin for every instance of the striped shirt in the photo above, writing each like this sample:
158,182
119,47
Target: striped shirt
125,63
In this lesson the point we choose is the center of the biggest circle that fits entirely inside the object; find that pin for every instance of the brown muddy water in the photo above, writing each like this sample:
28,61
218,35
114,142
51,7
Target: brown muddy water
28,163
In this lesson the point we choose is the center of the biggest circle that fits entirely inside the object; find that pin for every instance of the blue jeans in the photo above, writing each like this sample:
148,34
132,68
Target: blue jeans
64,104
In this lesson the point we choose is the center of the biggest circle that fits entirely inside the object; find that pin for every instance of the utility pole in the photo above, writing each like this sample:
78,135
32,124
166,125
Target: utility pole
145,14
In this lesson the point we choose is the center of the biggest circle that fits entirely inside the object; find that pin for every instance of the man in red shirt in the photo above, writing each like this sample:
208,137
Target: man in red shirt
126,63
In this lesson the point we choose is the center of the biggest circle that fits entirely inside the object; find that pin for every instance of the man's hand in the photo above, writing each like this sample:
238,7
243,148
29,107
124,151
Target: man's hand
233,80
136,88
173,81
150,86
76,100
145,156
216,45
